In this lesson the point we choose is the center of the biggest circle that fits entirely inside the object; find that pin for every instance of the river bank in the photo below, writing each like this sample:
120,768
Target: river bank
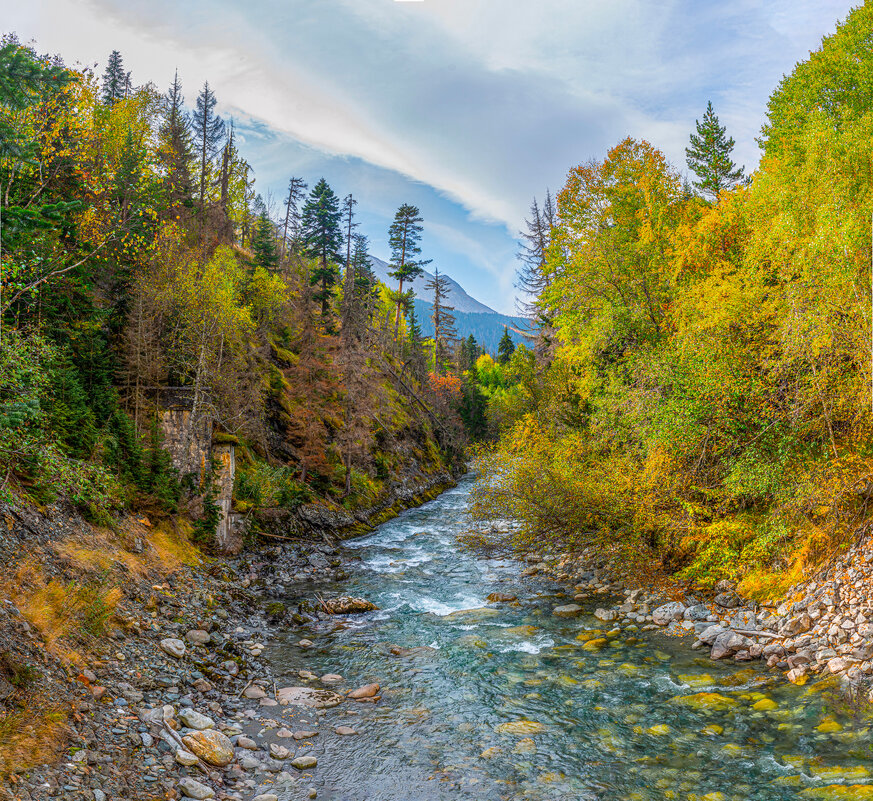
823,626
117,645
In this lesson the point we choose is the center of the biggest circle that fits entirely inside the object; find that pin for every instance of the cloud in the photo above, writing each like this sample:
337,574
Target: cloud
487,102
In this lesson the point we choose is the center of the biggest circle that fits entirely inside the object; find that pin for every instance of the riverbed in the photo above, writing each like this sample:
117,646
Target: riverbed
506,701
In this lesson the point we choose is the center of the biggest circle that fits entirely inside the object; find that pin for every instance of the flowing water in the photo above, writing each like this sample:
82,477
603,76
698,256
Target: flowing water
510,702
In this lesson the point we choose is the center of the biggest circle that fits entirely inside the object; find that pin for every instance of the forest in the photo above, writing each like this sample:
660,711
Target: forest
701,390
138,259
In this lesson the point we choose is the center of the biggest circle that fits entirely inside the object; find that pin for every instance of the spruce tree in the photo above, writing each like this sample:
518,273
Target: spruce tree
291,229
323,240
116,82
709,156
264,243
175,153
444,332
209,134
404,236
505,348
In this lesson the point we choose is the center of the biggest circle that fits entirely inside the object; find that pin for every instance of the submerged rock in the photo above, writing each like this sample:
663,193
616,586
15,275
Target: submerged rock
308,696
346,605
568,610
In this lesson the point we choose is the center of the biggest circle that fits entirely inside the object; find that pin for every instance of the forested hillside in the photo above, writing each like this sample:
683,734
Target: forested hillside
702,391
142,270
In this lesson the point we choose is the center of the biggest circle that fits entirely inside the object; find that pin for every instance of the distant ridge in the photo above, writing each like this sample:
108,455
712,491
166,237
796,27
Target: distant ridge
471,316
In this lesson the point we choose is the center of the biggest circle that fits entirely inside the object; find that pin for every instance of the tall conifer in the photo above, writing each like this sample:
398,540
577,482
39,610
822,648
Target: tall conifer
323,238
709,156
404,236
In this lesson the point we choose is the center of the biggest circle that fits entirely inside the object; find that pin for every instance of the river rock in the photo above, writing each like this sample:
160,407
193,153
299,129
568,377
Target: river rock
254,692
346,605
173,647
367,691
197,637
304,735
304,643
667,613
304,762
194,789
331,678
308,696
246,742
728,600
279,751
696,613
606,615
728,643
211,746
568,610
184,757
345,730
266,797
194,720
501,597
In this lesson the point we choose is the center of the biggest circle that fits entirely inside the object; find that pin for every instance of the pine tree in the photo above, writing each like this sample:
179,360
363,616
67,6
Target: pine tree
116,82
505,348
264,243
404,236
444,332
709,156
175,153
323,239
209,132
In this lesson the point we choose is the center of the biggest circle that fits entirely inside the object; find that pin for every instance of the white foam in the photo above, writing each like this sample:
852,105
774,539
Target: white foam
528,647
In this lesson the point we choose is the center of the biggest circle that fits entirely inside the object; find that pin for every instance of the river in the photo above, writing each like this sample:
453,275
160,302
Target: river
509,702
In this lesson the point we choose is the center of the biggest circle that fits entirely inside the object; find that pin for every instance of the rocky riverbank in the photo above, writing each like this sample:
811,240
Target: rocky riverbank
131,667
823,626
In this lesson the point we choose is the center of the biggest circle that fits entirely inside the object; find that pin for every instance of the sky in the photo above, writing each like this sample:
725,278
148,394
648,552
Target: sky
465,108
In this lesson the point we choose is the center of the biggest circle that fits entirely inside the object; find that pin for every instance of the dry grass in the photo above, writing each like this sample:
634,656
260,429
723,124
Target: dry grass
31,737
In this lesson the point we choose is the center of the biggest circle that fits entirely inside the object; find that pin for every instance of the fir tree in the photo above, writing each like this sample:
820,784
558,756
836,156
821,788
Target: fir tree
709,156
531,277
505,348
209,133
349,226
404,236
116,82
323,239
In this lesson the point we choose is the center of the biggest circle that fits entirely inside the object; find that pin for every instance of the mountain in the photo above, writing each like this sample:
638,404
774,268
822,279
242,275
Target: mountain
471,316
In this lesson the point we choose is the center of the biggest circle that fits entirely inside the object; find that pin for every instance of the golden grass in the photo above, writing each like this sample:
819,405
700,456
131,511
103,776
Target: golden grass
31,737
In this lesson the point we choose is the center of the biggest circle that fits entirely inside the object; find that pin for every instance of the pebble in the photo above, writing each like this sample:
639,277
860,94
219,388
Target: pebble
304,643
266,797
304,762
197,637
304,735
254,692
345,730
331,678
246,742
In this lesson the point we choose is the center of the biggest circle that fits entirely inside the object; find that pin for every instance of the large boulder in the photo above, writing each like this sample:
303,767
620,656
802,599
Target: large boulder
667,613
211,746
728,643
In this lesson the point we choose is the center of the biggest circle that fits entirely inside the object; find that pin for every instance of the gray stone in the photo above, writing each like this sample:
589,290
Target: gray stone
173,647
197,637
194,720
709,634
254,692
279,751
729,600
698,612
246,742
185,757
667,613
266,797
331,678
606,615
304,762
193,789
568,610
345,730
